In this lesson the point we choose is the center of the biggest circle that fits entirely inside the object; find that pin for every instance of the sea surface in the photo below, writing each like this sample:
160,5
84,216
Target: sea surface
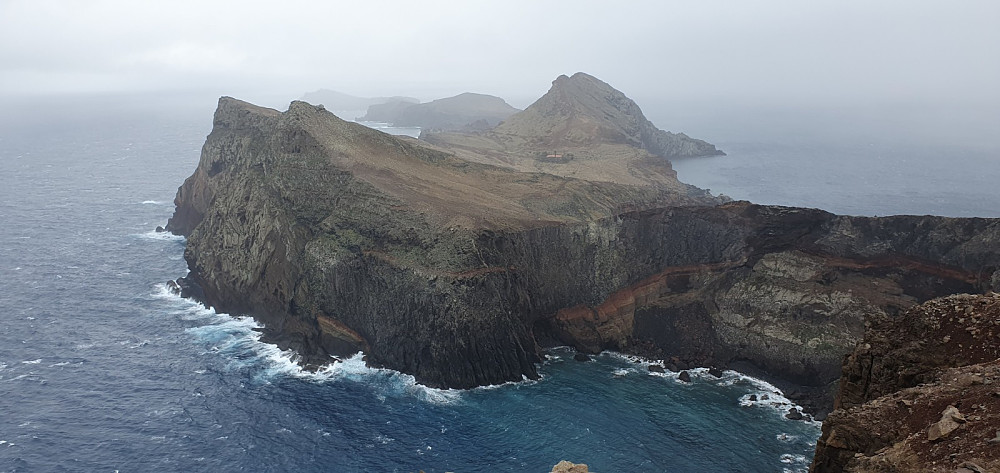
101,369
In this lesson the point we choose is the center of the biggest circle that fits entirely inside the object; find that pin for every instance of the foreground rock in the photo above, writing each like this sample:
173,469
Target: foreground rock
340,238
920,393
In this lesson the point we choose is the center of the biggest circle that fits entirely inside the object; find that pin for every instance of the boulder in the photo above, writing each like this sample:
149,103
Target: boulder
951,419
569,467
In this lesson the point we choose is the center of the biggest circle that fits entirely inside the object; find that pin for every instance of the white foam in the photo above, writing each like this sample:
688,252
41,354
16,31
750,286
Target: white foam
525,381
159,236
776,398
238,339
793,458
786,438
32,362
153,202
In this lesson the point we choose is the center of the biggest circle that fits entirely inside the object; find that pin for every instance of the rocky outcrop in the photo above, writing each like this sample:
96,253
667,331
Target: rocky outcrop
582,110
570,467
463,111
340,238
921,392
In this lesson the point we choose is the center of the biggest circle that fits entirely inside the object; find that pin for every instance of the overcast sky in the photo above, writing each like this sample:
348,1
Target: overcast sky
751,50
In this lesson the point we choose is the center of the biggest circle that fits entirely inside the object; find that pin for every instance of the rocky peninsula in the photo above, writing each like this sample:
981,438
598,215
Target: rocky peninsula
458,258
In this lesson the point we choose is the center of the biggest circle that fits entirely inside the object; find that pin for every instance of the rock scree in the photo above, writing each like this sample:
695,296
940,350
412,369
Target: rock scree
921,392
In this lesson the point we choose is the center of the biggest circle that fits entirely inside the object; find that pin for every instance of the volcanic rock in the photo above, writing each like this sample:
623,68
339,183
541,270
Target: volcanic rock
909,401
455,263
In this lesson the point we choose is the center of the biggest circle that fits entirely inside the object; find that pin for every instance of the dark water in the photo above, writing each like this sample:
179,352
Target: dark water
101,370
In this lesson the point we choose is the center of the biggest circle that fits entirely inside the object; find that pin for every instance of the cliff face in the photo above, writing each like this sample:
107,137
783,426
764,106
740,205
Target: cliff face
340,238
343,238
921,392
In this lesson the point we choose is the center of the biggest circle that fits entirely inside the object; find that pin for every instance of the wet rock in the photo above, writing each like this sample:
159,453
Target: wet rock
656,369
794,414
715,371
173,287
160,229
753,398
581,357
684,376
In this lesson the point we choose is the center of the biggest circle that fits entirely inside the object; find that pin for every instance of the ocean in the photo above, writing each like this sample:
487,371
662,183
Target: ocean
102,369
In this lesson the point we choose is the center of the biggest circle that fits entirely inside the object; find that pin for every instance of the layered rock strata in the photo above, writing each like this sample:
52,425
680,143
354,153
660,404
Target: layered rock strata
340,238
920,393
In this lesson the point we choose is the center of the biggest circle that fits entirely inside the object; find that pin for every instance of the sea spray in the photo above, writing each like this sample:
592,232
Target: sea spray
238,339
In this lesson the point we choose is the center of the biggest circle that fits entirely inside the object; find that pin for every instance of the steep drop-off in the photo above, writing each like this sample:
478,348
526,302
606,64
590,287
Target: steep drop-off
920,393
341,238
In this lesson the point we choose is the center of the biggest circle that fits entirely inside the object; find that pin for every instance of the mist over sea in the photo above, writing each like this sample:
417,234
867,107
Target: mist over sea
102,370
872,159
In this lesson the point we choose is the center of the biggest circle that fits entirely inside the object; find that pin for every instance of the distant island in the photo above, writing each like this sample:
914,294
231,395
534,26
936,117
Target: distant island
467,111
334,100
460,257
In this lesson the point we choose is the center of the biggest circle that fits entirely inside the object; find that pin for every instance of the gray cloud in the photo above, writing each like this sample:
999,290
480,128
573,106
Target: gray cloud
763,51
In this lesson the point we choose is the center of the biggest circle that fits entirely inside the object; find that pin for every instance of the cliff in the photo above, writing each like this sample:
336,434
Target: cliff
920,393
340,238
463,111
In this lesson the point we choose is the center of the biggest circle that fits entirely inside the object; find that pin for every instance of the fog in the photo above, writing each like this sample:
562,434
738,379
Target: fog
927,68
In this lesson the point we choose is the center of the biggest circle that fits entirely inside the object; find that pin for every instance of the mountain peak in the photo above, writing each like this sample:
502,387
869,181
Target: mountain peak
582,110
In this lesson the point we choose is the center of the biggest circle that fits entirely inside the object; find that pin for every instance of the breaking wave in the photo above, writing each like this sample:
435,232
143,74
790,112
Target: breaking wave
238,340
